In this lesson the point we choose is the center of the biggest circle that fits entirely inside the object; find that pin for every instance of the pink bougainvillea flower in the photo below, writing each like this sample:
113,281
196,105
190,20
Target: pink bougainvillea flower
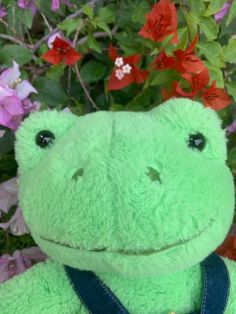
125,71
16,264
11,112
231,128
28,4
55,4
9,198
16,224
13,91
223,12
161,22
30,106
216,98
10,79
8,194
61,51
3,11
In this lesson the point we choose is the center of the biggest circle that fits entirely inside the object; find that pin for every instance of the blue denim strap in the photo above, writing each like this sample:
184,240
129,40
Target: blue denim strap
95,296
216,285
98,298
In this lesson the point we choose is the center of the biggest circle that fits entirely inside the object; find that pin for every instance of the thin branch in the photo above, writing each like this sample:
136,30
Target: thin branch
97,35
14,40
44,38
53,31
80,11
46,22
84,88
77,34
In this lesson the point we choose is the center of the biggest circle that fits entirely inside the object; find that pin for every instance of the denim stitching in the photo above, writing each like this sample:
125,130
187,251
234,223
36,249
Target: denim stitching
229,287
114,299
81,299
203,311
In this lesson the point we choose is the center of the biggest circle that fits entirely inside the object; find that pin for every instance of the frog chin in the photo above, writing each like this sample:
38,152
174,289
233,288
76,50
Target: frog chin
129,252
179,256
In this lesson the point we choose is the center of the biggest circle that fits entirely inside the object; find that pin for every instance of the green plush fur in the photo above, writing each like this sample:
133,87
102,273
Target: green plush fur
123,194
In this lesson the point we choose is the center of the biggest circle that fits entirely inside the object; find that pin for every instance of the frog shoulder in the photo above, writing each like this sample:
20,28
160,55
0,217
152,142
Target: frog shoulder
43,288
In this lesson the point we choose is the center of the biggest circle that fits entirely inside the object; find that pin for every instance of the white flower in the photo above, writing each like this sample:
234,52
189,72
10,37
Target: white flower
127,68
119,62
119,74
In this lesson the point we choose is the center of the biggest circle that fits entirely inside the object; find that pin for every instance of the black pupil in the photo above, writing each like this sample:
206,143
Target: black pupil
44,138
197,141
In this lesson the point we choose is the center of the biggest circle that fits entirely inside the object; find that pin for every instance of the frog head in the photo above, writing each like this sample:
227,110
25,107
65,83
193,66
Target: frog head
135,193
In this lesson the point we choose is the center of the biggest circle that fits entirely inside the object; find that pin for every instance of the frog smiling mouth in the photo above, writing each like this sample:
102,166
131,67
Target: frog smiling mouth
145,252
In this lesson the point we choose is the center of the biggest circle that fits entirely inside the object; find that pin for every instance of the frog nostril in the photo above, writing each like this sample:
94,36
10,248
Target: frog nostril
77,174
153,174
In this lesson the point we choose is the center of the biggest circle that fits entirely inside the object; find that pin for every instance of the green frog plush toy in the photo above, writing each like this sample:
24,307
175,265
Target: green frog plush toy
129,207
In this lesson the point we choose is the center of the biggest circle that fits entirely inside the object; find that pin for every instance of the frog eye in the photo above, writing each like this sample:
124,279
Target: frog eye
197,141
44,138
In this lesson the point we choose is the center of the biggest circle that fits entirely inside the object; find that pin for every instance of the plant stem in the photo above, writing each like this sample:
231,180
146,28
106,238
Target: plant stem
84,88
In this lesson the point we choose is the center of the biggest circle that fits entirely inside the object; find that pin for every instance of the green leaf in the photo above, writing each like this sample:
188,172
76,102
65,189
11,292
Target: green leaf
213,52
56,71
26,17
70,25
104,26
105,15
87,10
7,142
15,25
50,92
197,7
14,52
44,6
232,13
215,74
214,6
232,157
162,77
231,88
230,51
192,23
142,101
183,38
92,71
138,14
94,44
209,27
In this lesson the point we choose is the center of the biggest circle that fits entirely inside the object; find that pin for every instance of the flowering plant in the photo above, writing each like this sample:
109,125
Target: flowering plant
85,56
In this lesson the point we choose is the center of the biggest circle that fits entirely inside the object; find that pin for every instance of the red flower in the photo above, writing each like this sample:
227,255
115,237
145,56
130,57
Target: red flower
228,248
196,81
161,22
171,94
126,71
163,62
61,51
216,98
183,61
187,61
